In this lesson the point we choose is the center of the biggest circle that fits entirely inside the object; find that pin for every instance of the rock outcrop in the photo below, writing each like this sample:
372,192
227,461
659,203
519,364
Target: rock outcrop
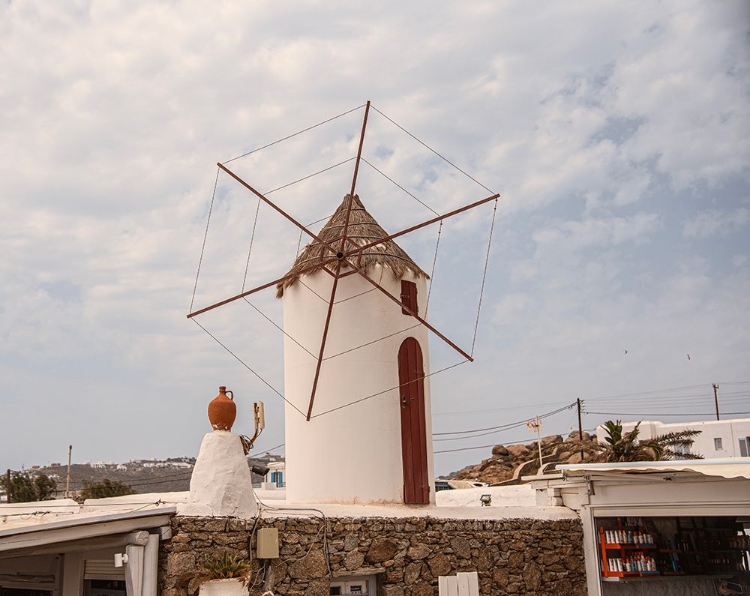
509,462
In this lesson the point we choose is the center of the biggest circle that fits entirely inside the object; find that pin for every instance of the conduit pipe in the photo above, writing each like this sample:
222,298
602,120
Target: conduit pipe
150,565
134,570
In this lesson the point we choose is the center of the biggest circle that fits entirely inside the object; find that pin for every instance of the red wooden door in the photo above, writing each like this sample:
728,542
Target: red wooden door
413,428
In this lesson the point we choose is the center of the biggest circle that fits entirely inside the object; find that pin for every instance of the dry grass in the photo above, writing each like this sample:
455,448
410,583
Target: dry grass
362,230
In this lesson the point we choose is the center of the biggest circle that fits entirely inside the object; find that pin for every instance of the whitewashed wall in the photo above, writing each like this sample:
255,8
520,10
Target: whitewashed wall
729,431
351,455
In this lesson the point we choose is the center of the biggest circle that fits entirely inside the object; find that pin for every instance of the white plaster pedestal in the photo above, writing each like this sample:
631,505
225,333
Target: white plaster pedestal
221,484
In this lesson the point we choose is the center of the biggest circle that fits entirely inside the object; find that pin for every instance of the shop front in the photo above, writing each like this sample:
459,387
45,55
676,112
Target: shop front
660,528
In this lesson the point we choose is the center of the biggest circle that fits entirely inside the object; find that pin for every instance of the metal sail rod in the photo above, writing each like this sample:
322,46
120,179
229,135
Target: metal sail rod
263,287
422,225
277,209
350,202
411,312
323,341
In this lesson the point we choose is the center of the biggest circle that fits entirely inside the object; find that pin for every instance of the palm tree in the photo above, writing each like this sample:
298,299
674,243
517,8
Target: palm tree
625,447
676,445
621,447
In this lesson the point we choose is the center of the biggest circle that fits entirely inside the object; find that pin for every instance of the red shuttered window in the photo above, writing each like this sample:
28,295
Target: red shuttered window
409,296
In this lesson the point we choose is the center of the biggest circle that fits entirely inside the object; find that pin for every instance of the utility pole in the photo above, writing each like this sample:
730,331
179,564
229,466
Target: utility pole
716,399
8,491
580,427
536,425
67,482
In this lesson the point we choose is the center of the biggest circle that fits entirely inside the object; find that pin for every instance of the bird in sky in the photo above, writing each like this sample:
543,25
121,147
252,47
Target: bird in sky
688,356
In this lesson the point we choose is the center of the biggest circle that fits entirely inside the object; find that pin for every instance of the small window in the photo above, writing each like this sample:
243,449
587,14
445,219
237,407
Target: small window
409,297
744,446
680,450
717,444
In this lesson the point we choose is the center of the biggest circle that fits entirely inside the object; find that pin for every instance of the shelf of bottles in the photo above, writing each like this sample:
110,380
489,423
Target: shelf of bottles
699,546
627,552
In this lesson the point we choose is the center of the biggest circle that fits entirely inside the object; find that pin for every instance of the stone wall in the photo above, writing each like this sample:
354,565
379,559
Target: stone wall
409,554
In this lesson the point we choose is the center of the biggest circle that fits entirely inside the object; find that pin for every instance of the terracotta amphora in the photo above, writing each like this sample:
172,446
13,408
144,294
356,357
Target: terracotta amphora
222,410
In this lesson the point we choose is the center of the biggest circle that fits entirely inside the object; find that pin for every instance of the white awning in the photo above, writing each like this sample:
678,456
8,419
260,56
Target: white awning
81,527
736,467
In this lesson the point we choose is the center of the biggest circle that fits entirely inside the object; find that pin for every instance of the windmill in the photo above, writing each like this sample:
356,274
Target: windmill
356,334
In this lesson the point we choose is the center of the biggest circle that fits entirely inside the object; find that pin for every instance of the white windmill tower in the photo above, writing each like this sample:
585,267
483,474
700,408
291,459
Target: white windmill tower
378,450
358,415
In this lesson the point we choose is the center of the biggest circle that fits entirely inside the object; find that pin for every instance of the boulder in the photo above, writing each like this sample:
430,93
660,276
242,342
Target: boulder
575,458
499,451
551,440
518,450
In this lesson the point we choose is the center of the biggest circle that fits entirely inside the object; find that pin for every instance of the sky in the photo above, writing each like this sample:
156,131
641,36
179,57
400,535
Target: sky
617,135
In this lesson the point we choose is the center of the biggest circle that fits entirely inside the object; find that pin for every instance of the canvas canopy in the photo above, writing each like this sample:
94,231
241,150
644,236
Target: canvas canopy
736,467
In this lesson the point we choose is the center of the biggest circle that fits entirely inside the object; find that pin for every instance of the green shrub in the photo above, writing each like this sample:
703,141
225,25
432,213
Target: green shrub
225,566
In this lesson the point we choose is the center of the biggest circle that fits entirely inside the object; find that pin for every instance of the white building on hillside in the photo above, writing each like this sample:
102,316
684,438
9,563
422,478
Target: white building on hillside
718,438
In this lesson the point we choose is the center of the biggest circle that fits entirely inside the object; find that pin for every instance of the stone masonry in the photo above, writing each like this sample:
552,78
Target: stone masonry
517,556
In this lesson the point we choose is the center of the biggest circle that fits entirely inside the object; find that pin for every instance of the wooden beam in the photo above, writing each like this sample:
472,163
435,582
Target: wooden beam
323,342
195,313
422,225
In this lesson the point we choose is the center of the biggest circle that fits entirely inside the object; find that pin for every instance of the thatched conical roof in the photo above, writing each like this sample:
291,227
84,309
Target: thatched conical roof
362,230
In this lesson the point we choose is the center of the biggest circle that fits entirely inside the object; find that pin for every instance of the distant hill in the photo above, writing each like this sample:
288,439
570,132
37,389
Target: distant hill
505,466
144,476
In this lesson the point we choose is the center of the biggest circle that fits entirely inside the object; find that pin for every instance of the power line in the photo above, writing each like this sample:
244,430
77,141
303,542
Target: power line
649,392
693,397
484,411
272,448
678,397
480,447
637,415
167,478
495,429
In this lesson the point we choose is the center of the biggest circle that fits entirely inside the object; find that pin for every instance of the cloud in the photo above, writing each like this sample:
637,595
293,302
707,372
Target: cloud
614,133
715,221
581,234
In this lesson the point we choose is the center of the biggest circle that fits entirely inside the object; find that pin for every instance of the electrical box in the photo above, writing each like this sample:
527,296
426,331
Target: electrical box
267,544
